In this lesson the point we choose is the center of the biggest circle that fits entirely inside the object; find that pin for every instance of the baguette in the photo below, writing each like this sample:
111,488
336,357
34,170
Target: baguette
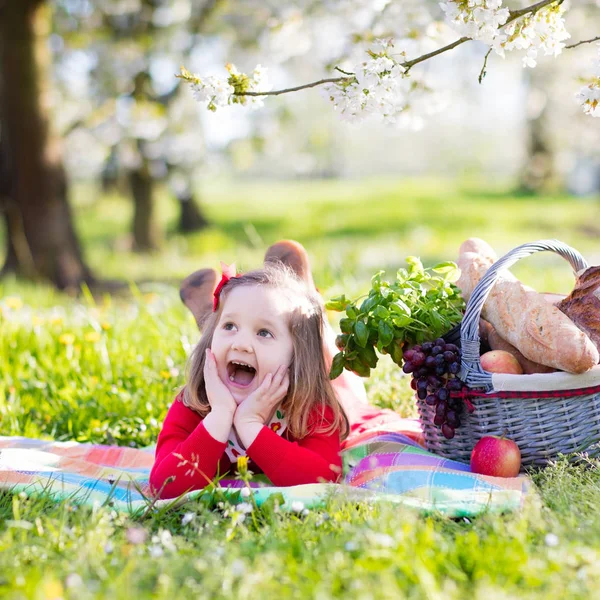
493,339
478,246
472,267
475,257
525,319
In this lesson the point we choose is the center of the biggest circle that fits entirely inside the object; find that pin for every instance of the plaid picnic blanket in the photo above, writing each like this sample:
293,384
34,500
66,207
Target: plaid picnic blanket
378,465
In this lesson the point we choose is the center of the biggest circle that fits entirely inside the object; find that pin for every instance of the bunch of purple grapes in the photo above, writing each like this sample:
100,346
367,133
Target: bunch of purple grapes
434,367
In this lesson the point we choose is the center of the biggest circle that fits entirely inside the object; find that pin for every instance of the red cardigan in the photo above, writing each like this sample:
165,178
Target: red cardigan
282,459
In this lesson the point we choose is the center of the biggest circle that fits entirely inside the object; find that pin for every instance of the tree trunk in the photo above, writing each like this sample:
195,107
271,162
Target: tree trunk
145,233
190,215
538,173
40,218
10,262
18,256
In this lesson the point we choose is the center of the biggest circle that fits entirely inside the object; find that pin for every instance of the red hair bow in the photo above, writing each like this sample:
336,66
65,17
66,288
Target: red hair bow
227,273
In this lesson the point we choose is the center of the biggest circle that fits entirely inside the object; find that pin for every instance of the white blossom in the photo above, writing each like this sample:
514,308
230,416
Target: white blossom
483,20
477,19
589,98
213,91
258,83
544,31
218,92
380,88
589,95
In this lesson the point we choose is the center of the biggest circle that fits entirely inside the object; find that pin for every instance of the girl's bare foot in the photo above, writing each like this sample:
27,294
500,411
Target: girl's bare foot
196,292
293,255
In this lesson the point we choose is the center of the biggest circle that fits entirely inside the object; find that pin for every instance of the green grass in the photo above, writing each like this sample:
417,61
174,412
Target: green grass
104,371
351,228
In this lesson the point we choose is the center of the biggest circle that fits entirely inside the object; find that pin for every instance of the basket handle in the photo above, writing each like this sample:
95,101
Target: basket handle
471,371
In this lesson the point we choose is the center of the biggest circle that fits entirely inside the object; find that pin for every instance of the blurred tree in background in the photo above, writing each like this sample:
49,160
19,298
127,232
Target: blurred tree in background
124,55
91,85
40,236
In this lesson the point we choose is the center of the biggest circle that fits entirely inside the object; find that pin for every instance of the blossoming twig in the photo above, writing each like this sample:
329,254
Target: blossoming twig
380,85
583,42
407,64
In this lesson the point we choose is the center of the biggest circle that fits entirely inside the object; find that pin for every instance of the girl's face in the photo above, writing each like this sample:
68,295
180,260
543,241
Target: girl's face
252,338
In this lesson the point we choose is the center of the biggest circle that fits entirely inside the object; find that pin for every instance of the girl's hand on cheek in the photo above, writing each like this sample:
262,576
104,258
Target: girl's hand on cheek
257,407
219,397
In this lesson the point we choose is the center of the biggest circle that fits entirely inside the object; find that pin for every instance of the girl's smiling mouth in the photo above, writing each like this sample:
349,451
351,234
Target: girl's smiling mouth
240,374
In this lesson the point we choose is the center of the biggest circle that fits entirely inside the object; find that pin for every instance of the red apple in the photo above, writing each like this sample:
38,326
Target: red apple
500,361
496,456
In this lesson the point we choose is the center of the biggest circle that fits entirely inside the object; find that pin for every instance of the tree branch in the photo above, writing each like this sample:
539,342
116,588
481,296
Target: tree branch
583,42
514,14
483,72
297,88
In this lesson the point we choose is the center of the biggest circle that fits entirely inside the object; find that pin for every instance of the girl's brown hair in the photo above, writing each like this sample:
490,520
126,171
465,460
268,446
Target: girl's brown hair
309,378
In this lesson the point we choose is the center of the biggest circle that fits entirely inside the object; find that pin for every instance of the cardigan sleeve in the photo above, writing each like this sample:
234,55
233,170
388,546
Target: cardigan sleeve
313,459
186,451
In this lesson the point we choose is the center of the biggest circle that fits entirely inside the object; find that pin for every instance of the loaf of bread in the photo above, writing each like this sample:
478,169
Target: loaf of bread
495,341
478,246
582,305
525,319
475,257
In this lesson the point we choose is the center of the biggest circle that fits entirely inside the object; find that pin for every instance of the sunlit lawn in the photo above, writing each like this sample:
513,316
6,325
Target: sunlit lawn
105,370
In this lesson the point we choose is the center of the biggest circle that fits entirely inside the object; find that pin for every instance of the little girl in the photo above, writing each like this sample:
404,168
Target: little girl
258,386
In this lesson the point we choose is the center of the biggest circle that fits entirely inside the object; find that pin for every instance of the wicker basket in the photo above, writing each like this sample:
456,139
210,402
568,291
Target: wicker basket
544,424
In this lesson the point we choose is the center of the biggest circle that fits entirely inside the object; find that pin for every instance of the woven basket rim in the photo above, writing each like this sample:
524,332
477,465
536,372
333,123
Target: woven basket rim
474,394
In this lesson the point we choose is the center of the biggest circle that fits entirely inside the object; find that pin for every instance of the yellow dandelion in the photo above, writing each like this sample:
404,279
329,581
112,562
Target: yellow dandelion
14,302
56,320
93,381
165,374
106,326
67,339
95,423
12,389
37,321
92,336
242,465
